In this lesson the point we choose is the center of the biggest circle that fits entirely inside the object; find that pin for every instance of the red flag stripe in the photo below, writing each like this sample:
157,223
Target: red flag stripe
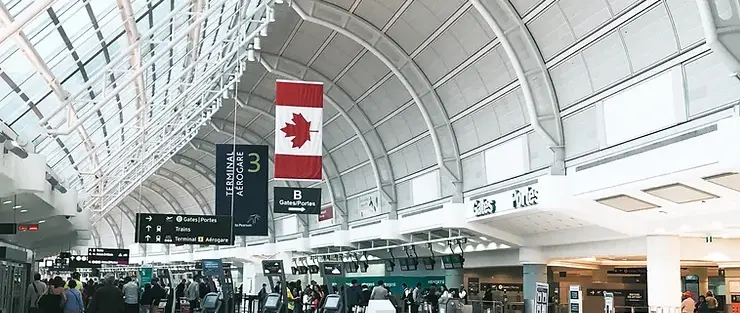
299,94
297,167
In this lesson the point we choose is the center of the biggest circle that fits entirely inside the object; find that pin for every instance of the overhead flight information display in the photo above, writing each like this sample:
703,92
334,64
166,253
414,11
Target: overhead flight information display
178,229
108,256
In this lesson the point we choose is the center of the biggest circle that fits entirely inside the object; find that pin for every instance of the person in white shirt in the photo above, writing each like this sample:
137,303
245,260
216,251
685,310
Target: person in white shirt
35,290
192,294
131,295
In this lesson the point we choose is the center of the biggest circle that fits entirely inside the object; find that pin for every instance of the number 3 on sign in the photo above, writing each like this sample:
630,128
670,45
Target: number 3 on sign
254,159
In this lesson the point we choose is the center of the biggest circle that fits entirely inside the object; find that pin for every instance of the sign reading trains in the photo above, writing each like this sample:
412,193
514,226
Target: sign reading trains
178,229
241,187
297,200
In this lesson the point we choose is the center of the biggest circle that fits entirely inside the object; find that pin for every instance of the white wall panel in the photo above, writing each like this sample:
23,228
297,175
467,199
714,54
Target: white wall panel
649,38
286,226
506,160
582,131
686,20
641,109
425,188
709,85
473,174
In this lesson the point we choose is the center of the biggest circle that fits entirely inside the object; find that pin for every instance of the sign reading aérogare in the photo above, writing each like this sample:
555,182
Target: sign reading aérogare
505,201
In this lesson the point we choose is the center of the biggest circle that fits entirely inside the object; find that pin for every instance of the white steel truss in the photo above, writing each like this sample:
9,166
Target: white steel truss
167,87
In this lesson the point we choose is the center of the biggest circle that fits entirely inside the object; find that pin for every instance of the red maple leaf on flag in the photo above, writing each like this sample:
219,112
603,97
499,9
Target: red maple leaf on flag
300,130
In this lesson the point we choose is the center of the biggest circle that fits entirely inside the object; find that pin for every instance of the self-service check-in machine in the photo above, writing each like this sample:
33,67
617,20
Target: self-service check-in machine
608,302
332,304
275,274
574,299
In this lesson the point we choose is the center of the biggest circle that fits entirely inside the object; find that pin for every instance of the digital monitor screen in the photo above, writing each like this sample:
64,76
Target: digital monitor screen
209,302
404,263
574,295
272,301
331,303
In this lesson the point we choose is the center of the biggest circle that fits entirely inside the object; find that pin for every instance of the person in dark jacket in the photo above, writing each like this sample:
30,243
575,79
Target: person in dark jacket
158,294
108,299
354,295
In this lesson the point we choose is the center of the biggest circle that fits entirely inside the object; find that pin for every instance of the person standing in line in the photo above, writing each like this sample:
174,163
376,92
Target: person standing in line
354,296
131,295
74,299
379,292
416,298
108,298
35,290
192,295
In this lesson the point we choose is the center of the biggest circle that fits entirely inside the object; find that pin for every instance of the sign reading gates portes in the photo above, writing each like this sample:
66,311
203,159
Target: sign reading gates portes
241,187
297,200
505,201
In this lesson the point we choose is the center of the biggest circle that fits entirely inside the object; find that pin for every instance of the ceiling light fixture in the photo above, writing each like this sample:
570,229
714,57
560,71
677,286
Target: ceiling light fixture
279,1
24,211
7,202
483,238
256,43
17,206
42,221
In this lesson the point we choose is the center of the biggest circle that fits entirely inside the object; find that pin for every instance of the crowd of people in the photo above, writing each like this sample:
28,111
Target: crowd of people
705,304
310,298
109,295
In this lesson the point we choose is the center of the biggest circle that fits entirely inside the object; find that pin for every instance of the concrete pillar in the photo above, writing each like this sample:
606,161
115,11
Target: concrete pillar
533,274
664,271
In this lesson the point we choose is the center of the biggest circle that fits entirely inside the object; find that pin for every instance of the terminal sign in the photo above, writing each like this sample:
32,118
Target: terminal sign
178,229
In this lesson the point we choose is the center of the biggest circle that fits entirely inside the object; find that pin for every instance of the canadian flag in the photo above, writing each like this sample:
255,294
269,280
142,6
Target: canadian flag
298,127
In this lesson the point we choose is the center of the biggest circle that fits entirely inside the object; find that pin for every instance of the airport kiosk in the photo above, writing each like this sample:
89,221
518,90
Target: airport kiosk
275,302
336,269
216,271
332,304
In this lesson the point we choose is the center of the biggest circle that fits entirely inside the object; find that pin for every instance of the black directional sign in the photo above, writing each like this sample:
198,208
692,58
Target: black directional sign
241,187
178,229
297,200
108,256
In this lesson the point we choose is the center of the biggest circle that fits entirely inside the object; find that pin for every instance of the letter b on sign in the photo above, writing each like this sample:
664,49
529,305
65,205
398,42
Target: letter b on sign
297,195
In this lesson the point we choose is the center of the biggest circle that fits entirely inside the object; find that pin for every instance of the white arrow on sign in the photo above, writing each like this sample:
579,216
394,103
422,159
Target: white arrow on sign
149,218
297,209
148,237
148,227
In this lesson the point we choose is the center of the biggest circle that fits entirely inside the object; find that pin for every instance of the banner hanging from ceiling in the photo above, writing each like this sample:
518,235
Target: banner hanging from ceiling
241,187
298,128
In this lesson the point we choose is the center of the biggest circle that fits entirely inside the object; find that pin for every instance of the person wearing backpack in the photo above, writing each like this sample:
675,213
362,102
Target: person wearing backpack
35,290
54,299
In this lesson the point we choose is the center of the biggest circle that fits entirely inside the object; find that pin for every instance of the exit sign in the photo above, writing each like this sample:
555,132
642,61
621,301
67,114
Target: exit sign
28,227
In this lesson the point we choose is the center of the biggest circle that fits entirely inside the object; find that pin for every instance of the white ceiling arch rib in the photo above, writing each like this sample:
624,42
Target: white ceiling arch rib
188,186
130,216
327,180
531,73
115,229
379,181
96,236
453,153
165,194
